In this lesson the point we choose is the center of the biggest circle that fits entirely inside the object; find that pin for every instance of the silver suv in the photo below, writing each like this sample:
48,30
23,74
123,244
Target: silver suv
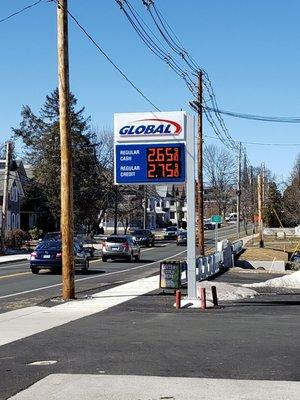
121,246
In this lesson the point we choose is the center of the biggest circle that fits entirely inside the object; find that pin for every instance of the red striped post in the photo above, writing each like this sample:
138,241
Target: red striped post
202,298
178,299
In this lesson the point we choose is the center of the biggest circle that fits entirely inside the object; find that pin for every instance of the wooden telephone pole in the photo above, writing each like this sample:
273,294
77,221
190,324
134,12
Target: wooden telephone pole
66,188
238,193
5,194
200,169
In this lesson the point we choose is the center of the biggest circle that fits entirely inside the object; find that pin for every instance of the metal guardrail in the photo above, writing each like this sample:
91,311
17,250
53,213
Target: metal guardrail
211,265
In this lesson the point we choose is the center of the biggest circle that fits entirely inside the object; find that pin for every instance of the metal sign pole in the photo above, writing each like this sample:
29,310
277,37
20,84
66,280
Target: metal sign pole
216,236
190,194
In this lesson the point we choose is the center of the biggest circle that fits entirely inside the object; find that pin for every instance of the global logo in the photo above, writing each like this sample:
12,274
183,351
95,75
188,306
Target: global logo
152,126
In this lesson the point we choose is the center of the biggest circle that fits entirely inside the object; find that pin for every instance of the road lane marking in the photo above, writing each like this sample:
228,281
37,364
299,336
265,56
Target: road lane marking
91,277
17,274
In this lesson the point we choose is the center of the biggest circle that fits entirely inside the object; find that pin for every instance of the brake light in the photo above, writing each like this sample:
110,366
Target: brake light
104,245
58,255
33,255
126,246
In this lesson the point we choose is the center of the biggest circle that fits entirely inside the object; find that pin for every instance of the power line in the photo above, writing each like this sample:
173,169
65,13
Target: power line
263,144
107,57
20,11
290,120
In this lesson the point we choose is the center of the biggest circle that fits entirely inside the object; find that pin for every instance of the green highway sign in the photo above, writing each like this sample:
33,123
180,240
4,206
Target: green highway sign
217,219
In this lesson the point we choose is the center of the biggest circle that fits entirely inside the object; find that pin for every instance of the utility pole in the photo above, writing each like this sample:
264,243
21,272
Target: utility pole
5,195
66,188
260,202
145,207
252,199
238,192
200,168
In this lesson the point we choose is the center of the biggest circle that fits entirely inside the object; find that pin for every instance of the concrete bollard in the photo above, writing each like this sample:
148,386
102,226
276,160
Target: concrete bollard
214,295
178,299
202,299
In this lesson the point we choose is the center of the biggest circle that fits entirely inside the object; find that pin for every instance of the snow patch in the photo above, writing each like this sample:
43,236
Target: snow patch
287,281
226,291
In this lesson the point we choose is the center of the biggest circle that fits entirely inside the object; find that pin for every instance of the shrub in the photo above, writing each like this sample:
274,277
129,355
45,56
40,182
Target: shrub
35,233
15,238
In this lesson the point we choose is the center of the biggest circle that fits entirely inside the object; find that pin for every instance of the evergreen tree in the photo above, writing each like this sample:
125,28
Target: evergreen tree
40,134
291,197
273,206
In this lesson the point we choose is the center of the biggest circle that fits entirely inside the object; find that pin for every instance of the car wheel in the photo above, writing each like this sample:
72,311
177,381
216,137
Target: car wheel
138,256
130,258
35,270
104,258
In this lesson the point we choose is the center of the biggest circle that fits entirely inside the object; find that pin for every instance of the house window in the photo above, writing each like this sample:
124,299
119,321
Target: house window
12,221
172,215
14,194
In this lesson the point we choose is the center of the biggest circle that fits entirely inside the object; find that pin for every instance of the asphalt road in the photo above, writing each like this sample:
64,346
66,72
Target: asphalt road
20,288
248,339
256,339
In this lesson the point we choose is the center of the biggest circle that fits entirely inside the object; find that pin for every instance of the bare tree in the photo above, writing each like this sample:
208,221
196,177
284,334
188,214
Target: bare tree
220,173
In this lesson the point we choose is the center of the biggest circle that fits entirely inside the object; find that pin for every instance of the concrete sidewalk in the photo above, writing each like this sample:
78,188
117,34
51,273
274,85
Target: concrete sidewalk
114,387
14,257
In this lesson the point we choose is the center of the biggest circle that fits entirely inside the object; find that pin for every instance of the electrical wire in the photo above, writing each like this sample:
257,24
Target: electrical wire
261,143
20,11
289,120
107,57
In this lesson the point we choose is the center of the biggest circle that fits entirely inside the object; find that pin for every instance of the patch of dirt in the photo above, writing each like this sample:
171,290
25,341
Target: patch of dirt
264,254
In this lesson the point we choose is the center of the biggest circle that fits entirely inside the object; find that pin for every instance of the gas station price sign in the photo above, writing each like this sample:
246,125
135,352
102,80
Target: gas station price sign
143,163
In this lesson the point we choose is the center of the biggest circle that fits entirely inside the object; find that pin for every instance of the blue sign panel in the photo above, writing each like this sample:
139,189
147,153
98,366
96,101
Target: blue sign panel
149,163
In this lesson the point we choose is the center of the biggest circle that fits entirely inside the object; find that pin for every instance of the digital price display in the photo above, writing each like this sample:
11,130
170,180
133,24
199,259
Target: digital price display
149,163
163,162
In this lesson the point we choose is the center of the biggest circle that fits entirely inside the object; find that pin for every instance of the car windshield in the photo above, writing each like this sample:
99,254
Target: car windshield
182,233
140,232
49,245
172,229
52,236
116,239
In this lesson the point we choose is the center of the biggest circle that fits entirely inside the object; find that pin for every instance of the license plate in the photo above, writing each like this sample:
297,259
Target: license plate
115,248
46,256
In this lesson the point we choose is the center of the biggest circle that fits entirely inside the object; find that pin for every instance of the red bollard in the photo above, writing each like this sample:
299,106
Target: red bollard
202,299
178,299
214,295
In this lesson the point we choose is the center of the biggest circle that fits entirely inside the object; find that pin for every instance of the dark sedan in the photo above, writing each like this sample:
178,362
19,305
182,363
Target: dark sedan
144,237
182,238
48,255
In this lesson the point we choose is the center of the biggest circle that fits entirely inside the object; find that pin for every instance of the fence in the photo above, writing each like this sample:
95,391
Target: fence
209,266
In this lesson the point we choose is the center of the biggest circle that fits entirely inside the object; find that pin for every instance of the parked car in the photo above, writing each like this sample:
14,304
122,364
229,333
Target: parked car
48,255
78,237
144,237
295,257
121,246
171,232
182,238
208,225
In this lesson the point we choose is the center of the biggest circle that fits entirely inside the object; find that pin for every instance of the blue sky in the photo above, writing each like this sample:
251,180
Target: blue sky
249,49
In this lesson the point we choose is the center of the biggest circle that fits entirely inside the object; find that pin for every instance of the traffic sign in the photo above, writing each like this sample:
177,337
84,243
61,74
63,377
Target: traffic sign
216,219
141,163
